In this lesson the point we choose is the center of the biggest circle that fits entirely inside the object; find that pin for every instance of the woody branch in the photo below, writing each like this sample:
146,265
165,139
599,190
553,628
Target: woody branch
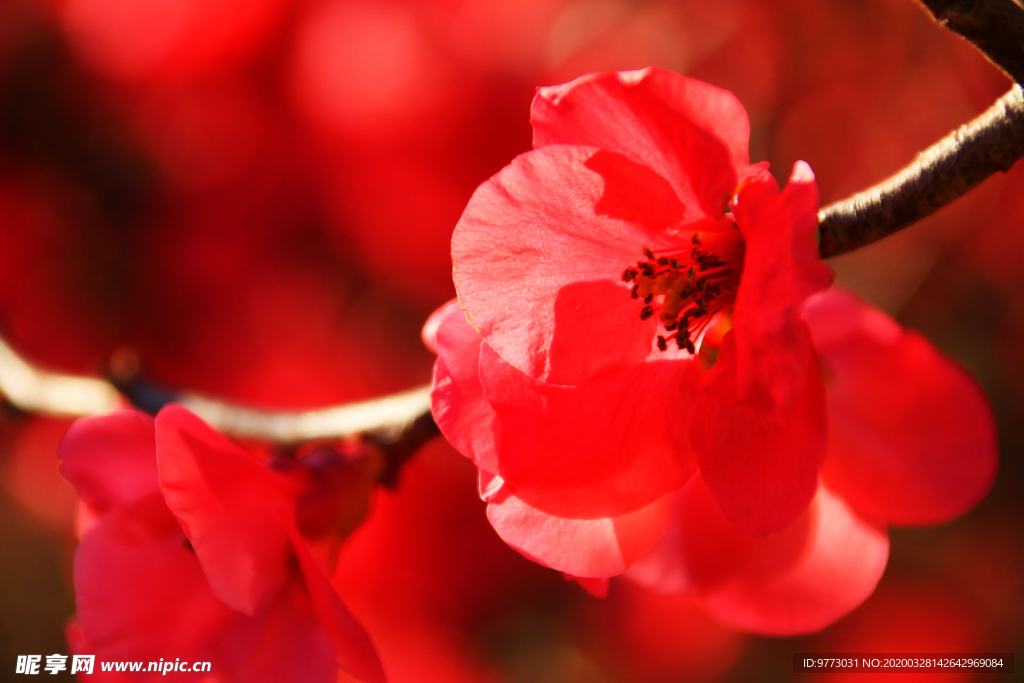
958,162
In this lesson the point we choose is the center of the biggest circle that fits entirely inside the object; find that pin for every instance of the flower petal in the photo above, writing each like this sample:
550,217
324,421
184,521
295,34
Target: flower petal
538,256
781,269
760,460
457,398
797,581
110,459
236,512
352,648
141,594
912,439
596,587
603,449
760,429
693,134
294,645
429,333
583,548
78,644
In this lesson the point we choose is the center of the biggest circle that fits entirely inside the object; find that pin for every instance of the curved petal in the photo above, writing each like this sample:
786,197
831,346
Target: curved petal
912,439
583,548
538,257
596,587
294,646
78,644
141,594
760,460
693,134
760,429
429,332
781,269
352,647
797,581
236,512
662,568
603,449
110,459
457,398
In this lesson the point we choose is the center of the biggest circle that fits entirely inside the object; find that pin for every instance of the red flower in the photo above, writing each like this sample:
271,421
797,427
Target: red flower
196,550
583,368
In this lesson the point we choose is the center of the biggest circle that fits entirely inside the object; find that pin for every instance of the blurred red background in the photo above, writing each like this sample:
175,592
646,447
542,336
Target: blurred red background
256,197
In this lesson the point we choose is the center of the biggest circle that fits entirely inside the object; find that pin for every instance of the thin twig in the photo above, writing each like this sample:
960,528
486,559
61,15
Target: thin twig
31,390
384,421
958,162
386,417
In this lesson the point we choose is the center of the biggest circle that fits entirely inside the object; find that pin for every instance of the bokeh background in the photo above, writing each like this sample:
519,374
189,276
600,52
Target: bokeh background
255,197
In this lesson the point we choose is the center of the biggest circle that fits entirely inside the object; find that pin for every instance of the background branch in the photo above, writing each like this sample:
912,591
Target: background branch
995,27
956,163
396,424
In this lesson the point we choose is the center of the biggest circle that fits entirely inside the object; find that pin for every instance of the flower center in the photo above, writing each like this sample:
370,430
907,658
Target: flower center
685,289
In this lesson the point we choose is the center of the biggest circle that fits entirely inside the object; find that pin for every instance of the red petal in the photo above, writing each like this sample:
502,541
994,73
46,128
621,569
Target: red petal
760,459
141,594
662,568
781,269
294,646
352,648
602,449
110,459
538,257
78,644
596,587
912,439
587,548
236,512
457,398
429,333
760,430
797,581
691,133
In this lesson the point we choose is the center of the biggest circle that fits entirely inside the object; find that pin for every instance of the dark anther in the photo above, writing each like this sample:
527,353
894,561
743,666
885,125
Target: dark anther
646,312
635,292
662,344
664,261
648,253
649,298
695,239
689,345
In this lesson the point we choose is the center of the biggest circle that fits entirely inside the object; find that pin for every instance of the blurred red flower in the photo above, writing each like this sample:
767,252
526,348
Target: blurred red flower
584,420
193,548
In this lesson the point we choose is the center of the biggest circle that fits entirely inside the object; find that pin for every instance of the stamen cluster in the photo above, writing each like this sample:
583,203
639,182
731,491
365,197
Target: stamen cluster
685,290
